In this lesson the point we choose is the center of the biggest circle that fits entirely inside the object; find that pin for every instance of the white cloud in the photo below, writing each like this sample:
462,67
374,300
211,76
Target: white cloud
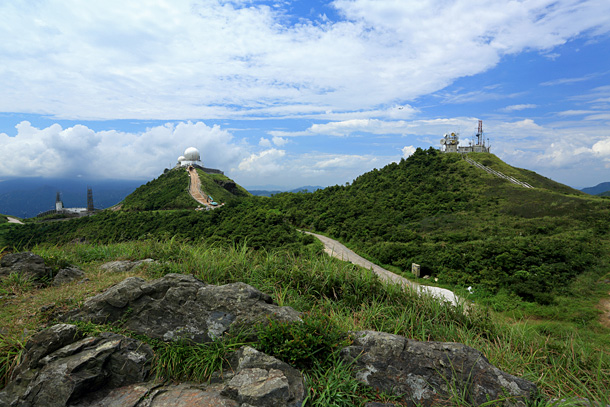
264,142
78,150
279,141
407,151
515,108
181,59
265,163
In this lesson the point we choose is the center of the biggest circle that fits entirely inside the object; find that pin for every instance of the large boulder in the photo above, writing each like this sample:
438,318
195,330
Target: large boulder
179,306
60,368
27,264
430,373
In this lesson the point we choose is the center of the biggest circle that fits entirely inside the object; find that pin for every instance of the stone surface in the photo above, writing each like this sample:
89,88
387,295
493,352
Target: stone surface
122,266
262,380
67,275
429,373
28,264
60,368
180,306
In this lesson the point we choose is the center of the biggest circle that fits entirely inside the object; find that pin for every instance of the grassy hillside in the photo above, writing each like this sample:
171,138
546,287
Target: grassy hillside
216,185
170,191
3,218
469,228
336,297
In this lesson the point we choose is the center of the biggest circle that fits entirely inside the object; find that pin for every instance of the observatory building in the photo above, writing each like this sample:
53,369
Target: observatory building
191,157
450,143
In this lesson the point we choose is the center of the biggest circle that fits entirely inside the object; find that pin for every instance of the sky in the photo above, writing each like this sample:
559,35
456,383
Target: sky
287,93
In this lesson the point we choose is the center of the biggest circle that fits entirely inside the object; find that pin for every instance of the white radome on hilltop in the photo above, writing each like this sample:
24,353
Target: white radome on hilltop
191,156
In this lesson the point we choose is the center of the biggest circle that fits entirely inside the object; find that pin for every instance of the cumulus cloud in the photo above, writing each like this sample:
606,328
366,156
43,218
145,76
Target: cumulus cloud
181,59
78,150
267,162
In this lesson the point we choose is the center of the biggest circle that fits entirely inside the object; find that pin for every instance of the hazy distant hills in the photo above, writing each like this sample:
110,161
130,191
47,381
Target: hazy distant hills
27,197
265,192
599,189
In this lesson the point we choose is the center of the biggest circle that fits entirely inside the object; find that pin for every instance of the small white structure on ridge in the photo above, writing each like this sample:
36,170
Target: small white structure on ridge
191,157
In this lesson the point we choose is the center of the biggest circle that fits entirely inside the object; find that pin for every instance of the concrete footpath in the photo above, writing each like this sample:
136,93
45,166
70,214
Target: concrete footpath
13,220
336,249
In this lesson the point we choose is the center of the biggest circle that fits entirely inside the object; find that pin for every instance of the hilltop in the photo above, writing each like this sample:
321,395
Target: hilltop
170,191
467,227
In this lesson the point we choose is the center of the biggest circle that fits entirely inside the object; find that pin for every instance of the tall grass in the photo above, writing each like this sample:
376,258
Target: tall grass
562,363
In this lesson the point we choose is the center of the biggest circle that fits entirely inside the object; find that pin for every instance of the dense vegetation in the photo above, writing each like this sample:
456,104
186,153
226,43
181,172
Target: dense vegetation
237,222
3,218
464,226
539,252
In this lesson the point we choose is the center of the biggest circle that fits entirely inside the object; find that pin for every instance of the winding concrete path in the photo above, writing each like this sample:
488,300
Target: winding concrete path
336,249
13,220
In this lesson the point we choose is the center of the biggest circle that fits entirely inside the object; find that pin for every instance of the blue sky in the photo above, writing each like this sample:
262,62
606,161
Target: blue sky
291,92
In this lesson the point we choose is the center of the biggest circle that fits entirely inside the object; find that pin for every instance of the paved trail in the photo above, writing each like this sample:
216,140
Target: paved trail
13,220
336,249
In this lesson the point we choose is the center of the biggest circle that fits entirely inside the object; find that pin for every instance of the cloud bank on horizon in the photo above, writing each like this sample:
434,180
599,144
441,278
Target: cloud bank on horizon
289,92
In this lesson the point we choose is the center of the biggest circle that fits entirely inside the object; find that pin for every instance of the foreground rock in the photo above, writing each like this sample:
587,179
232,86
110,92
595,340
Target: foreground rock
60,369
429,373
68,275
122,266
27,264
179,306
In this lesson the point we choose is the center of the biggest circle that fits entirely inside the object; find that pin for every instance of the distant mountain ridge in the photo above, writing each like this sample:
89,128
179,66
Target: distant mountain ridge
598,189
266,192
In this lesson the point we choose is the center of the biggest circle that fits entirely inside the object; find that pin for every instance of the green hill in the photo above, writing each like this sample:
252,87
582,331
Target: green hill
465,226
170,191
3,218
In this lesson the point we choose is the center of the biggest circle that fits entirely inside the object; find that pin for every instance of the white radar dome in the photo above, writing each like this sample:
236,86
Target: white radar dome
191,154
181,158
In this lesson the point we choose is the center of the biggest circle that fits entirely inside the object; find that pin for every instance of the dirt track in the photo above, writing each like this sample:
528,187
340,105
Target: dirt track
336,249
195,189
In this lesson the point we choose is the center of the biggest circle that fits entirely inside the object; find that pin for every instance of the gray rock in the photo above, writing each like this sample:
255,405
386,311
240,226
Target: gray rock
28,264
262,380
122,266
179,306
59,368
429,373
67,275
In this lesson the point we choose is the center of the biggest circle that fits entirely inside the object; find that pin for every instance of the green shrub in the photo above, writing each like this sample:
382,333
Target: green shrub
301,344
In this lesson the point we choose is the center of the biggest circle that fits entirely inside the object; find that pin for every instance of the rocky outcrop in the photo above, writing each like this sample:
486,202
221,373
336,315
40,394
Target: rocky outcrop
27,264
122,266
429,373
59,368
179,306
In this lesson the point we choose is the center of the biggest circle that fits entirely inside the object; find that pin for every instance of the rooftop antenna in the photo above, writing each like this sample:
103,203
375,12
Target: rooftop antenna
480,138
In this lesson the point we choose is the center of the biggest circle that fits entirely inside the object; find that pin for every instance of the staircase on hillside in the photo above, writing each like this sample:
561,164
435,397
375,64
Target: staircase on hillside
498,173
